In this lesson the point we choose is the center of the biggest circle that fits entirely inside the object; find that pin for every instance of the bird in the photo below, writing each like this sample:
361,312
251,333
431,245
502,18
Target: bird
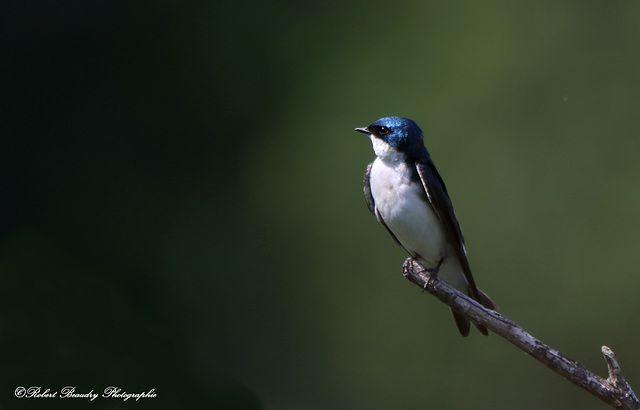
407,195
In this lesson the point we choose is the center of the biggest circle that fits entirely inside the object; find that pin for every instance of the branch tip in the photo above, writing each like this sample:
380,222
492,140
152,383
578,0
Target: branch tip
615,374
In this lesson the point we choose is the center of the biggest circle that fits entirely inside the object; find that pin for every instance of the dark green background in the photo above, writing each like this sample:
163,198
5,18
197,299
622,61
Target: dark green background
181,203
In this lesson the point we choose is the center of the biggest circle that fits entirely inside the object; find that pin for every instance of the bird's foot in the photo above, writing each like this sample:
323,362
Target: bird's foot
413,266
433,274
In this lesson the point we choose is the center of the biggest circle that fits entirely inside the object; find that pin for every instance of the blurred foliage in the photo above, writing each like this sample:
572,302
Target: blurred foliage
181,206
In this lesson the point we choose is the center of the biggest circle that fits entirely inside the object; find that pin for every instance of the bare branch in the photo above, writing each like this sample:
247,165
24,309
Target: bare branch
614,390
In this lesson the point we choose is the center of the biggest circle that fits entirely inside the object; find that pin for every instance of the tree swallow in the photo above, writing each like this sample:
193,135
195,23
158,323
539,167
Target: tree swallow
407,195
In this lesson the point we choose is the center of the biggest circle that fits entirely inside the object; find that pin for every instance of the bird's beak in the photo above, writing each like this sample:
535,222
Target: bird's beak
364,130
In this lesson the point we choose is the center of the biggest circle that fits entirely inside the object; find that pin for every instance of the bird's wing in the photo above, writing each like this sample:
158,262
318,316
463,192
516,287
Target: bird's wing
371,203
441,203
367,190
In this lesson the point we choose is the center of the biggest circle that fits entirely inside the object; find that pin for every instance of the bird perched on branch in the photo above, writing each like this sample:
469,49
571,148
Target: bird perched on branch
407,195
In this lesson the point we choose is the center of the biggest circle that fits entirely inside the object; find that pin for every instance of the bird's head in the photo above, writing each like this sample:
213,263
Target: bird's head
391,136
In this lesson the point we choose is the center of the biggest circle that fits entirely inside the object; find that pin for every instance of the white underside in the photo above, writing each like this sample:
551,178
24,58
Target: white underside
403,206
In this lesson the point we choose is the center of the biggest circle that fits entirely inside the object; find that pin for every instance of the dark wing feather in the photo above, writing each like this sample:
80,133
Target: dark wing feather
441,203
367,190
371,203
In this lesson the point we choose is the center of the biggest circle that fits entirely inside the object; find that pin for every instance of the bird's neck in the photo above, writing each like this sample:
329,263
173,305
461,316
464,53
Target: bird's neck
386,152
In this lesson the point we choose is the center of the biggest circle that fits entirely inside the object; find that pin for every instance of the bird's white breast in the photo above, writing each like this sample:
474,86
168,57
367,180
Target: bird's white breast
403,205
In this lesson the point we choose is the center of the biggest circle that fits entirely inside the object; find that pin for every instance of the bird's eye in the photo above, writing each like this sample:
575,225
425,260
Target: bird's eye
383,130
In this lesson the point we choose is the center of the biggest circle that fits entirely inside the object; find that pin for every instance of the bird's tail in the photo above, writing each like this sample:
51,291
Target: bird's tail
486,301
463,322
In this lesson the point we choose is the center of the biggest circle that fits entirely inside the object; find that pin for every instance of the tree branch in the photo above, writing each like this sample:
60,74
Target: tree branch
614,390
